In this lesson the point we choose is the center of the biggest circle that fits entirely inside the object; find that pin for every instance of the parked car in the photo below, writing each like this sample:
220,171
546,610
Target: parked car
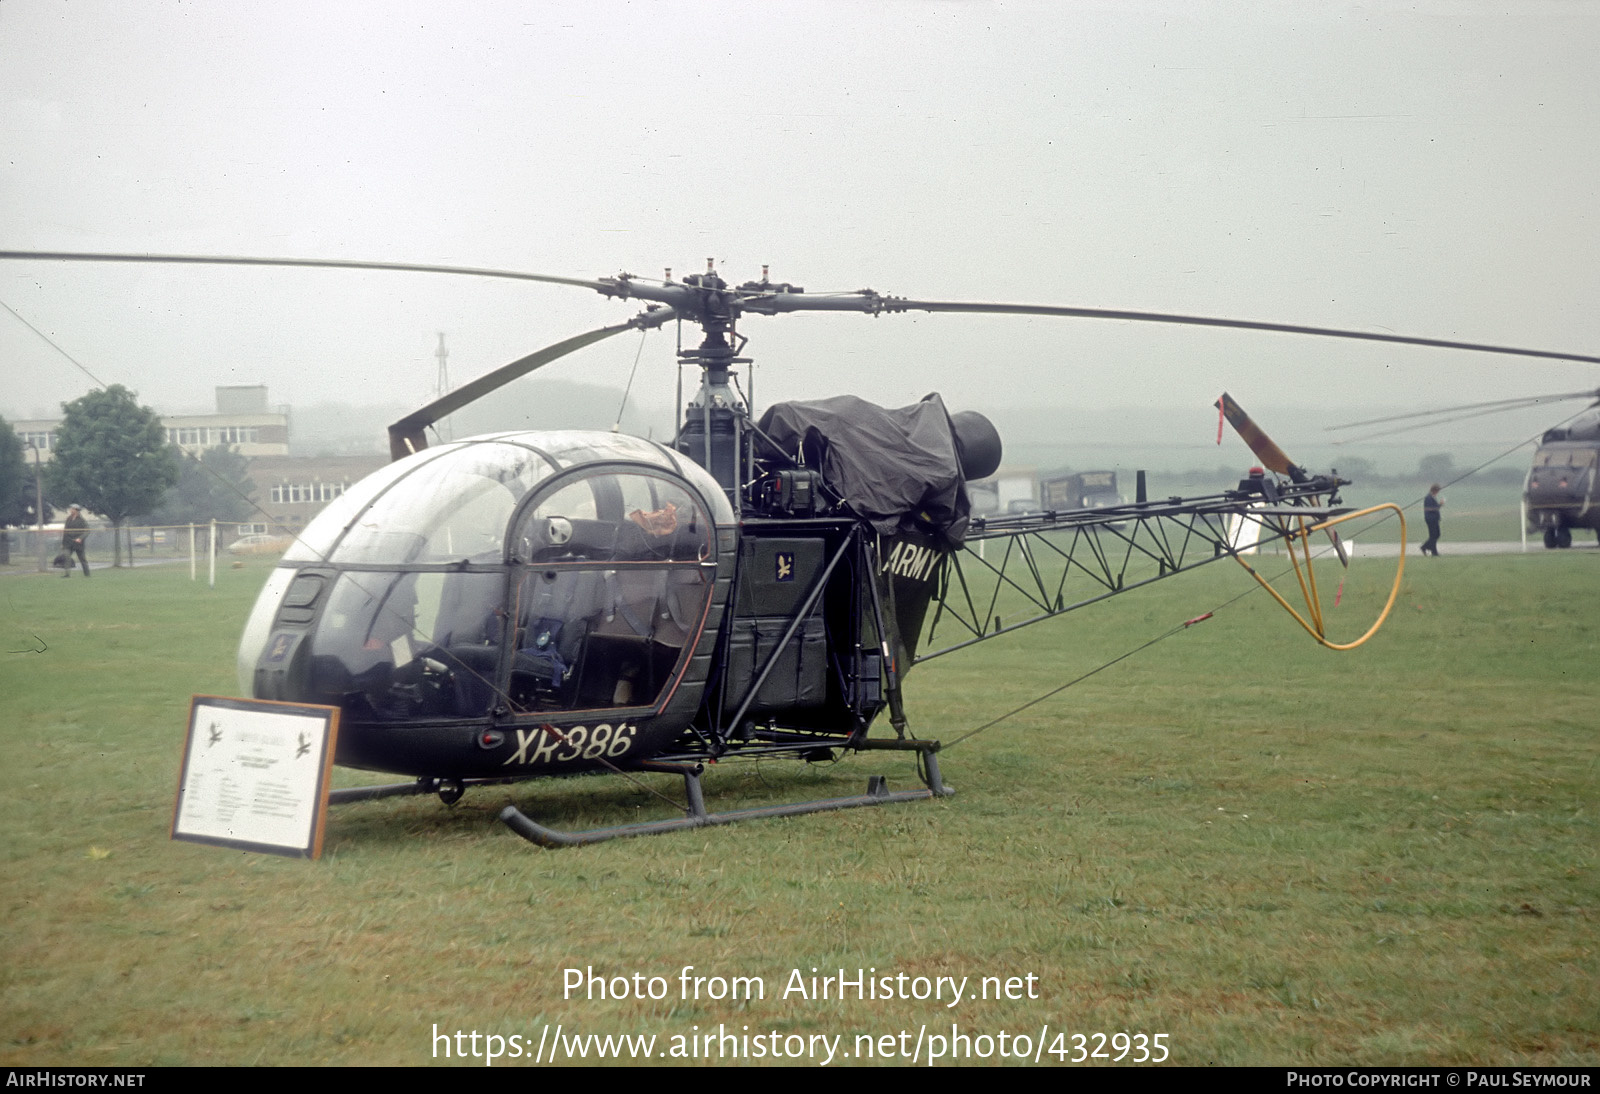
259,544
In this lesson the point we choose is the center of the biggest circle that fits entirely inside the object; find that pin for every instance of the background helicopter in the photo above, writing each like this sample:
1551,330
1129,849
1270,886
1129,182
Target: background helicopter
1560,494
1560,491
530,604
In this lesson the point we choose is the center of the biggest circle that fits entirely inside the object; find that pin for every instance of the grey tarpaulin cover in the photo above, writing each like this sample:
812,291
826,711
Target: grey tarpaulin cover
890,466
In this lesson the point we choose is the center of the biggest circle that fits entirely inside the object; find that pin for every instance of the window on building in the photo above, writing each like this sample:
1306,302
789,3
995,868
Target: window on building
188,436
295,493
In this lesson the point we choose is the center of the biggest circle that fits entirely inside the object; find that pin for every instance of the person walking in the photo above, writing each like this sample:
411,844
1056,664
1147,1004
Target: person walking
1430,513
74,535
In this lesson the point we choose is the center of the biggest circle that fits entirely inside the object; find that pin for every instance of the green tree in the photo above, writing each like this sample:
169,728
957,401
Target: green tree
16,478
1358,469
211,486
111,457
1436,467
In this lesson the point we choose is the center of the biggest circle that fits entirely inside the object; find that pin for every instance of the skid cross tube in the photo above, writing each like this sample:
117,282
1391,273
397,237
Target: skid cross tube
450,790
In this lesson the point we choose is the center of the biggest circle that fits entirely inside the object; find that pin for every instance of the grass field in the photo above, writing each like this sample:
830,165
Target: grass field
1472,511
1270,853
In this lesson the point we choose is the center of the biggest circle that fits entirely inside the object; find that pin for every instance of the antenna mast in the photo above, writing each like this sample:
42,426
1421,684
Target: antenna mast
443,383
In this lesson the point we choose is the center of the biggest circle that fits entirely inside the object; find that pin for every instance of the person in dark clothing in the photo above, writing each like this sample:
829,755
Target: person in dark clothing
1430,513
74,534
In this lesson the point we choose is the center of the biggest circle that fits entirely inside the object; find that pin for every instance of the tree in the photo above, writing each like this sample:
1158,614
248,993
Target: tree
1358,469
16,481
111,457
212,486
1436,467
21,506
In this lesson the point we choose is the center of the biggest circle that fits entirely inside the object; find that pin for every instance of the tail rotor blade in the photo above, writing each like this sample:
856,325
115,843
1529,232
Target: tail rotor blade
1271,456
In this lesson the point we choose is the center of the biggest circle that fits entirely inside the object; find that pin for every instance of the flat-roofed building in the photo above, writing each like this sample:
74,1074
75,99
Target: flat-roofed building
290,490
243,420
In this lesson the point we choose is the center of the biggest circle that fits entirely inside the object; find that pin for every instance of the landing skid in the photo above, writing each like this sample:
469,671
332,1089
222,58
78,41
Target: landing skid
695,816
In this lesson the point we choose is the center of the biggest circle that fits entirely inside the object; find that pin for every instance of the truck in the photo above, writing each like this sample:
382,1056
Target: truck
1084,490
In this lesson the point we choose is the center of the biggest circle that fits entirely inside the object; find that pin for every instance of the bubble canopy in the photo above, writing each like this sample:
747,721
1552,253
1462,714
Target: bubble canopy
539,571
455,503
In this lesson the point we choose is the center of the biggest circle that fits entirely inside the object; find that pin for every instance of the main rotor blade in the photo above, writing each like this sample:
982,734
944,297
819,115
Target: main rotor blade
873,303
687,299
1487,408
408,435
1239,324
1399,429
328,263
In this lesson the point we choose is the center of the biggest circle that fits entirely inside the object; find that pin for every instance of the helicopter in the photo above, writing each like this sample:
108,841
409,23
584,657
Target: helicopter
1561,489
1560,492
530,604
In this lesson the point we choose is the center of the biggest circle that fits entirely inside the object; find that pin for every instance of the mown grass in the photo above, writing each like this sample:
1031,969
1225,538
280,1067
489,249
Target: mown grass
1472,511
1272,853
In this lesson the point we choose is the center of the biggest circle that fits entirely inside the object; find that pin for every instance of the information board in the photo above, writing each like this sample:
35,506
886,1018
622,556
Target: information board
255,775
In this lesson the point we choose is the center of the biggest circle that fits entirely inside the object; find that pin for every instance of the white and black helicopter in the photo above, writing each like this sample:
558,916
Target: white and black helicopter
531,604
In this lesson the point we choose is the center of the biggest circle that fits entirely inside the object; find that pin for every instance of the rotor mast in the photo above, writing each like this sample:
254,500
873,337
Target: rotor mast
716,419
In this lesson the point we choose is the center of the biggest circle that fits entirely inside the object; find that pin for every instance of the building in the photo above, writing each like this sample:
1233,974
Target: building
243,419
290,490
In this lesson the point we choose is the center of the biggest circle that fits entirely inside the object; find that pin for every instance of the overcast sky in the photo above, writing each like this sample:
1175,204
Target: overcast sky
1425,168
